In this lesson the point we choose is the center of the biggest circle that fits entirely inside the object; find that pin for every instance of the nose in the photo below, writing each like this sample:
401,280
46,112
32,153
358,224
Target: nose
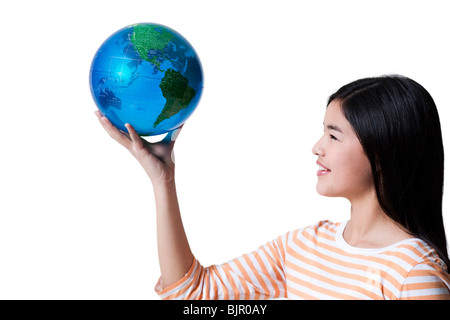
318,149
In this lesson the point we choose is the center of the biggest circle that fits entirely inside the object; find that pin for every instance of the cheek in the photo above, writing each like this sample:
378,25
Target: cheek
351,175
355,170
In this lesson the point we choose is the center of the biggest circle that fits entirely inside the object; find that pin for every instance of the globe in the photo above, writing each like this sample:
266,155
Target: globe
147,75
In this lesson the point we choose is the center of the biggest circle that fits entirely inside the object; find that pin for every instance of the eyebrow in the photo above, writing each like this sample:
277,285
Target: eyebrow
335,128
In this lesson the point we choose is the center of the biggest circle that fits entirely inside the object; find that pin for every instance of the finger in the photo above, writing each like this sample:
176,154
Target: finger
134,135
114,132
172,135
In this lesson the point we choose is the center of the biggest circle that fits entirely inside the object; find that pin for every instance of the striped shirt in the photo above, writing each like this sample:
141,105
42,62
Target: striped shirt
316,263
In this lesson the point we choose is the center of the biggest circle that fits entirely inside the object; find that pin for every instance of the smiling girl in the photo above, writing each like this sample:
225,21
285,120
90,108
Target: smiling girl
382,150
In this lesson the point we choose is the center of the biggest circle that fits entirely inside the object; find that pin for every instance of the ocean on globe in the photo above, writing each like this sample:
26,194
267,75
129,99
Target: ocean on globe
147,75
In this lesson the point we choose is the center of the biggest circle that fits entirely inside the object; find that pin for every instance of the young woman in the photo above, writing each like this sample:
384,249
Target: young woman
382,150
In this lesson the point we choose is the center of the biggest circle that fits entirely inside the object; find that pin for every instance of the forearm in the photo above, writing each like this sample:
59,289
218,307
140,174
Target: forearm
175,256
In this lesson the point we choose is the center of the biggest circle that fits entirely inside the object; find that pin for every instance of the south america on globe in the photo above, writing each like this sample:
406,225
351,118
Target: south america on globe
147,75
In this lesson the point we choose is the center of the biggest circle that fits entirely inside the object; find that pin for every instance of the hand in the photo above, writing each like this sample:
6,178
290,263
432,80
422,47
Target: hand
157,159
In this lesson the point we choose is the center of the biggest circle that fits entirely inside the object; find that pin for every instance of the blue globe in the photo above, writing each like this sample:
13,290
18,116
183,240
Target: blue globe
147,75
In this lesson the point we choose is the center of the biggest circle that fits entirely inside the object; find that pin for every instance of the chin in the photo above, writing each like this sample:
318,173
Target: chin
327,192
322,192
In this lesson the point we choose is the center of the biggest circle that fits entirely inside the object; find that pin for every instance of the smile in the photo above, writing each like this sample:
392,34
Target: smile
322,169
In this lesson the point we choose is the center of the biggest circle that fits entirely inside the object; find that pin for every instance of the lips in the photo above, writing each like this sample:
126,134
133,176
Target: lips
322,169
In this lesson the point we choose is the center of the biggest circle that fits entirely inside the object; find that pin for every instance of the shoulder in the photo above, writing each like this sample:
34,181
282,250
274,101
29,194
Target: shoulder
417,252
321,226
426,280
324,229
427,277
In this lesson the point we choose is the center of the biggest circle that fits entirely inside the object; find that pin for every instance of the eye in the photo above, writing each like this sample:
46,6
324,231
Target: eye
332,137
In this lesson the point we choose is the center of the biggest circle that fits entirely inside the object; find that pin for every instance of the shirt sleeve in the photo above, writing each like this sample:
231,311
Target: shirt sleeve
426,281
253,276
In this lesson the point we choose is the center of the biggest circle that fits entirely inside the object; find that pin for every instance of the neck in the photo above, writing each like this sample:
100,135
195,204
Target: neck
370,227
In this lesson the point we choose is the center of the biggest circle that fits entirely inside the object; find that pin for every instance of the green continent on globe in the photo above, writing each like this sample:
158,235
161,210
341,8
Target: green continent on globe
150,37
178,94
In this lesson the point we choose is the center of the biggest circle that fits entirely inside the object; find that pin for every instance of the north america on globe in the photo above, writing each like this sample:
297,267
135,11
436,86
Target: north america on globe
147,75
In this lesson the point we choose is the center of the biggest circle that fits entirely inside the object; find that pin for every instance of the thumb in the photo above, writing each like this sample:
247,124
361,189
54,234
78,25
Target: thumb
170,139
172,135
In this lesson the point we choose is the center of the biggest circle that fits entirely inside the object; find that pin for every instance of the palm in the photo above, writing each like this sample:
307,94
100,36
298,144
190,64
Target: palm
156,158
155,155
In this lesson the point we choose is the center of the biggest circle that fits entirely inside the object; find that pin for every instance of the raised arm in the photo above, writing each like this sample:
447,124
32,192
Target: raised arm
175,256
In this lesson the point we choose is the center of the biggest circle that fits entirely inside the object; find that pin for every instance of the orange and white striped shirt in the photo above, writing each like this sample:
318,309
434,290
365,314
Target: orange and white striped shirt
316,263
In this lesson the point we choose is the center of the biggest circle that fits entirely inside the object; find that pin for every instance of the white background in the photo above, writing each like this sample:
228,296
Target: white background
77,216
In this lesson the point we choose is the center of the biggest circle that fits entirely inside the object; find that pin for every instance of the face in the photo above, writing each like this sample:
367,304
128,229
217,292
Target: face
344,169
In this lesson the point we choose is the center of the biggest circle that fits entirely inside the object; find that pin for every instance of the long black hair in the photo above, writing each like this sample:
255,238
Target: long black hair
397,124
